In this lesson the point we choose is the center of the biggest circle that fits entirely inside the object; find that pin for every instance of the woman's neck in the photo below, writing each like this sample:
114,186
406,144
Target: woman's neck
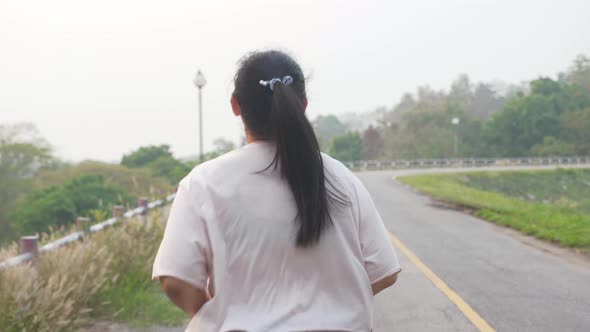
250,138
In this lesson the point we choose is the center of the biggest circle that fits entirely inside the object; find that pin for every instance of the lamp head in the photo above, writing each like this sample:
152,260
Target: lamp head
199,79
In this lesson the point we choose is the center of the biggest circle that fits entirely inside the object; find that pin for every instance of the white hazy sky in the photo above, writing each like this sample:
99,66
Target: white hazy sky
101,78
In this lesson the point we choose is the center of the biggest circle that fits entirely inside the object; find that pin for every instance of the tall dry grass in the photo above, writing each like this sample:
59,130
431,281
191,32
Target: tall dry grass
12,249
9,251
69,287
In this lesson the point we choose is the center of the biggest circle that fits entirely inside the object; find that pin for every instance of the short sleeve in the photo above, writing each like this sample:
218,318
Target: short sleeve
185,249
378,252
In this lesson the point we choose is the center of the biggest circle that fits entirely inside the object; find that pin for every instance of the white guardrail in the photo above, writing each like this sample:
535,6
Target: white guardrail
28,253
465,162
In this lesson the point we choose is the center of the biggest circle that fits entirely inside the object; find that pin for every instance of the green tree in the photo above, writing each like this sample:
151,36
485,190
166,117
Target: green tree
393,117
169,168
159,161
137,181
579,72
527,119
425,131
22,154
485,101
327,127
145,155
421,127
461,94
60,205
575,129
347,147
372,144
552,146
471,142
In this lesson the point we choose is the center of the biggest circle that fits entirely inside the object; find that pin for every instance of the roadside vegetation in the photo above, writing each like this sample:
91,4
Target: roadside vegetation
552,205
106,277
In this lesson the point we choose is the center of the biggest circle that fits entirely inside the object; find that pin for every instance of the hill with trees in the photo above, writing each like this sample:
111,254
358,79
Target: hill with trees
38,191
545,117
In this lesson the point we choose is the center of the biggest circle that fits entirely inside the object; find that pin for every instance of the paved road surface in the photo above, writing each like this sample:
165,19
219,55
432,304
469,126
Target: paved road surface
514,282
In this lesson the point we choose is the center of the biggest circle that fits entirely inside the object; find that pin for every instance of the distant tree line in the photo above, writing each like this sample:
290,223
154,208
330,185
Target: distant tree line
546,117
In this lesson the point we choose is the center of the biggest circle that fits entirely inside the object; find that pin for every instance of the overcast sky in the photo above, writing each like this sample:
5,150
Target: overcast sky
101,78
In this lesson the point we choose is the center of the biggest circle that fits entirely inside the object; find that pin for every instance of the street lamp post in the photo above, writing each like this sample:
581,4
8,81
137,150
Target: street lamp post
200,81
455,123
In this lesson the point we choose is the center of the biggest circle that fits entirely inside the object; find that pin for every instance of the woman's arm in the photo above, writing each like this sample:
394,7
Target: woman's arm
184,295
384,283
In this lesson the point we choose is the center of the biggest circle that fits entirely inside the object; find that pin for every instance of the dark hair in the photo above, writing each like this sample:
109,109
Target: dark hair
278,115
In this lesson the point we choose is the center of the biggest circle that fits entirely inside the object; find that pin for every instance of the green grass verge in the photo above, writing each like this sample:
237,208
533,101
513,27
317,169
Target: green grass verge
566,223
131,297
139,304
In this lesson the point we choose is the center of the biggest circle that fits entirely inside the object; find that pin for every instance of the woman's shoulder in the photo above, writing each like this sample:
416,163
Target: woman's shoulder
336,170
228,166
211,167
335,165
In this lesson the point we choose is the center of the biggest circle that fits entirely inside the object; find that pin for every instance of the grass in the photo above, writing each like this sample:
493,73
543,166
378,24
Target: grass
104,278
139,305
552,205
132,297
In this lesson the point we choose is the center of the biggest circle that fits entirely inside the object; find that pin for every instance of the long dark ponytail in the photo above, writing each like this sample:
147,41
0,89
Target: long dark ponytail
278,114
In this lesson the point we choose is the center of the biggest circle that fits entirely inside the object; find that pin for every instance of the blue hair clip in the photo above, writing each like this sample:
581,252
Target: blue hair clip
287,80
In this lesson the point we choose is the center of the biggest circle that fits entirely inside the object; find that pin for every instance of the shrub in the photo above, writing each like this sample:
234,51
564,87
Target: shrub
106,276
60,205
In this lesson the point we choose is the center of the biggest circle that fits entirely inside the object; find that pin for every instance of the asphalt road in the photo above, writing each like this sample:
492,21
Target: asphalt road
514,282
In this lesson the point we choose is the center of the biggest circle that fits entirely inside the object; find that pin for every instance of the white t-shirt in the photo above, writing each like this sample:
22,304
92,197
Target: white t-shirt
233,230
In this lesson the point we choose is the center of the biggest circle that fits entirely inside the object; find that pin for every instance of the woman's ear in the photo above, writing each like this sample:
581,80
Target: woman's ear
235,106
304,105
